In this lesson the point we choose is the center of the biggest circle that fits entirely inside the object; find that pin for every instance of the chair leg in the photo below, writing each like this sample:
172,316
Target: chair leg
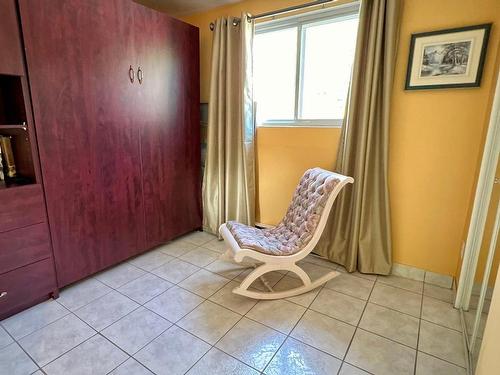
228,257
255,274
306,280
265,268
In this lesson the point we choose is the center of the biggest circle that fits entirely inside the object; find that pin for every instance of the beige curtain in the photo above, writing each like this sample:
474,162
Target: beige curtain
229,179
358,234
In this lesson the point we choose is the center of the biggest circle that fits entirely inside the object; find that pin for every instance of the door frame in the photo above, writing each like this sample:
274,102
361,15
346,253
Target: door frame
482,198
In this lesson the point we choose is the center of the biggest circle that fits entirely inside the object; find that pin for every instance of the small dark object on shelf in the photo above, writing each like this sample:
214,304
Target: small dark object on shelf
17,181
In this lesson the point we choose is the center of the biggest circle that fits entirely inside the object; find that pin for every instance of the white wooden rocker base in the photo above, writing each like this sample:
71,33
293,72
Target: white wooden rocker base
260,271
271,263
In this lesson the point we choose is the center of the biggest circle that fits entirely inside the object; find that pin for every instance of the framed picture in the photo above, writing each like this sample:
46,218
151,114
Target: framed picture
447,58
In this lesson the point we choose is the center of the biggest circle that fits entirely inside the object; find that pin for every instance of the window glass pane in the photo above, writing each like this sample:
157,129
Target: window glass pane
275,55
328,57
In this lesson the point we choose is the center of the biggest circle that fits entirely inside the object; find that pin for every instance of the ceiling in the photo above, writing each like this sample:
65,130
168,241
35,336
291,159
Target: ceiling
184,7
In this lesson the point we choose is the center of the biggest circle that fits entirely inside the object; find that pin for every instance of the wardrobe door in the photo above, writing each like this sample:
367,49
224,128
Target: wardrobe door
11,57
79,53
168,53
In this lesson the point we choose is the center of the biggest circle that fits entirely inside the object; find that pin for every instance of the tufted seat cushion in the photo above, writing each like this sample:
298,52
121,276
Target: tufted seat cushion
296,229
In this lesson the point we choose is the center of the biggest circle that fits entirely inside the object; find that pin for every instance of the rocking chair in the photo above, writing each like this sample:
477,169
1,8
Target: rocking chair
281,247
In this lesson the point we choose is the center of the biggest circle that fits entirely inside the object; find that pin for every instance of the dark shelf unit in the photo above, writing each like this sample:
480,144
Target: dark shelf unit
13,124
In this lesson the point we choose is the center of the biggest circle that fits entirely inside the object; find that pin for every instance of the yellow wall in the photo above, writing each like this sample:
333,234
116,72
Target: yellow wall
435,139
283,154
436,142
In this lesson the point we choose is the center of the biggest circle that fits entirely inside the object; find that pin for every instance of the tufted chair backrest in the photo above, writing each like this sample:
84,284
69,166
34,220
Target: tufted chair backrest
307,205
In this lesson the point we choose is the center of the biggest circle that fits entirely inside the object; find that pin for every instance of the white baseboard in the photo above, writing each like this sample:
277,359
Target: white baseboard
408,271
414,273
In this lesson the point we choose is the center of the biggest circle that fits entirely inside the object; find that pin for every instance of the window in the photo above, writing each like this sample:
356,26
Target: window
302,67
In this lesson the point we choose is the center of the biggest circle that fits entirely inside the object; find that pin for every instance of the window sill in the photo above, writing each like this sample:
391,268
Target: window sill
315,126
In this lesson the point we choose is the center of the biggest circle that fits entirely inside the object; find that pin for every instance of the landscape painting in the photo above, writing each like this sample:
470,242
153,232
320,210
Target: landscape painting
445,59
448,58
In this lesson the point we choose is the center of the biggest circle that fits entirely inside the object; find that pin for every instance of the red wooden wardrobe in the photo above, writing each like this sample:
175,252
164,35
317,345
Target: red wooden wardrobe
115,95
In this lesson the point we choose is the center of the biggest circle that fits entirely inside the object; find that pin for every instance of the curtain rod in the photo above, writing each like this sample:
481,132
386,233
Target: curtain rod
282,11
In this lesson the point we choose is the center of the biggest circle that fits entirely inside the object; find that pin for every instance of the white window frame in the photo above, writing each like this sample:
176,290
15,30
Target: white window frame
302,21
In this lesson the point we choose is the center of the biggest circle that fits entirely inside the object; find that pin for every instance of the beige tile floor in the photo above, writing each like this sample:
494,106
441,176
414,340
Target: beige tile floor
171,311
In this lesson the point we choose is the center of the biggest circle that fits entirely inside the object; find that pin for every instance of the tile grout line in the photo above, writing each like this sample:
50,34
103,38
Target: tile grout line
418,333
413,316
440,325
294,326
346,294
125,262
116,346
357,367
97,332
204,300
245,316
143,346
441,359
143,305
361,328
67,351
418,339
393,310
92,300
14,341
299,340
214,345
356,329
